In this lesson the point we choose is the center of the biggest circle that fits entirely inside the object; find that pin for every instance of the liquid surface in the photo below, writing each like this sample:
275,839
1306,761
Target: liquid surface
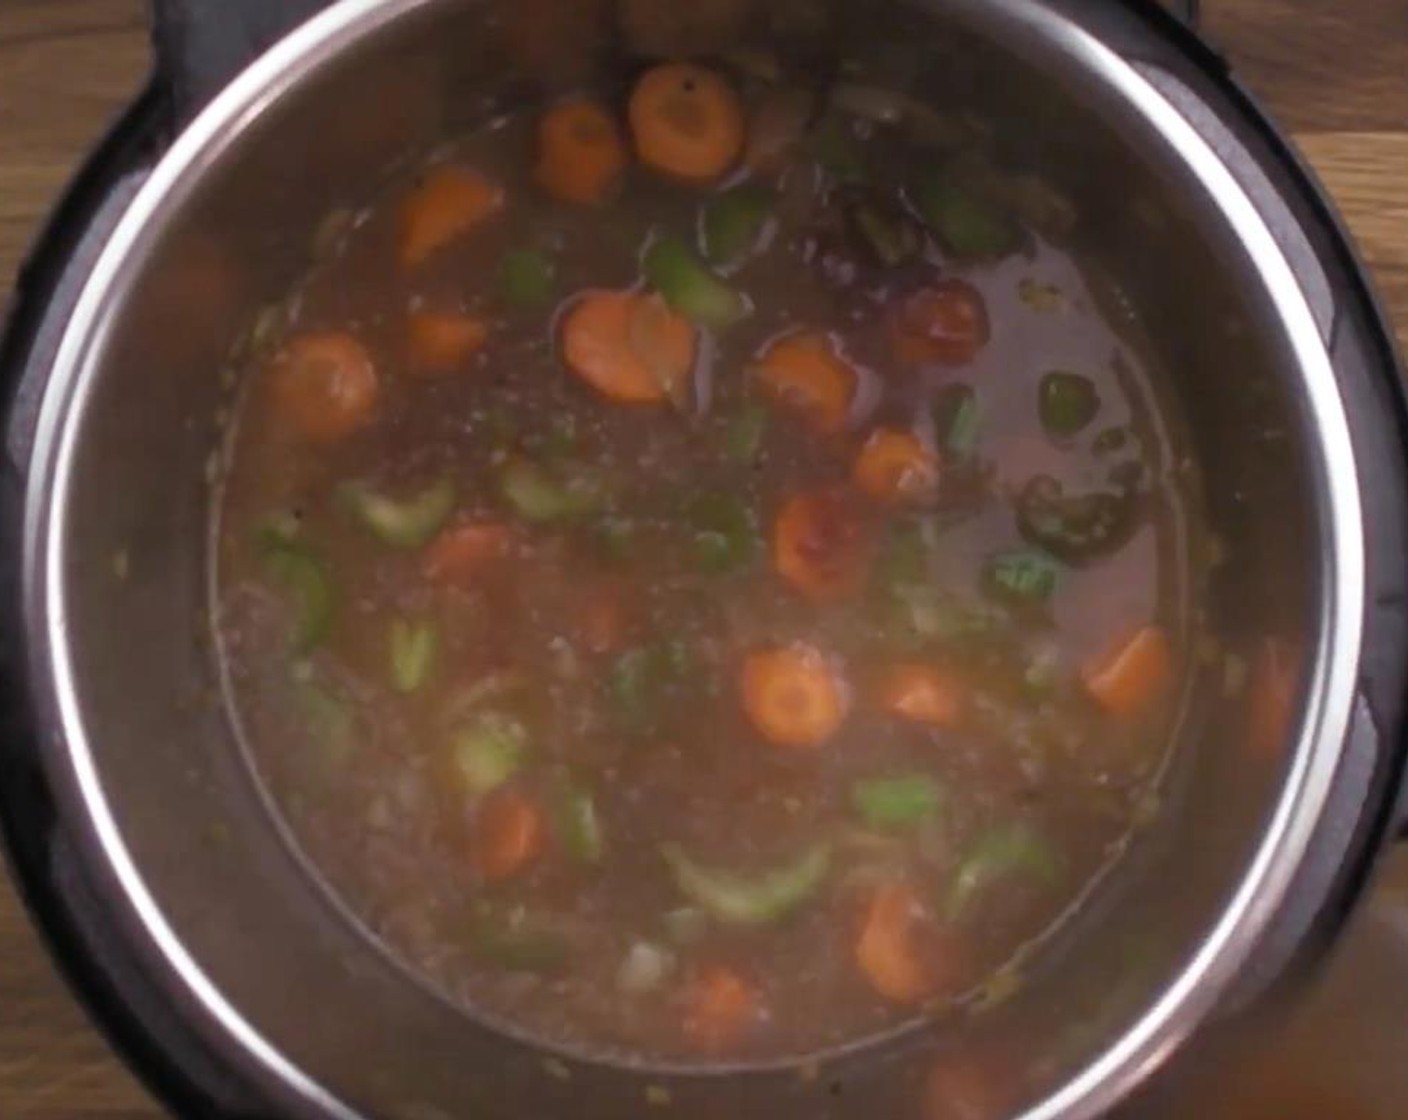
736,669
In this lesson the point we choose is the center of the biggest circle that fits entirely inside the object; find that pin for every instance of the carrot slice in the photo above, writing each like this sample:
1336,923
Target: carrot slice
509,834
896,467
720,1007
1130,682
946,323
804,373
687,121
820,546
462,553
792,696
629,347
444,206
325,385
922,694
888,950
441,342
581,153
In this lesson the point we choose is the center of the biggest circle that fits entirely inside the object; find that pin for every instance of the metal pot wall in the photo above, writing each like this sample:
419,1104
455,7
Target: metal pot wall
146,846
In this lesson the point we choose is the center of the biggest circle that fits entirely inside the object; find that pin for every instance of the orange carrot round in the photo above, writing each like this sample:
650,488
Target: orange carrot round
896,467
629,347
888,950
462,553
325,385
510,833
820,545
581,153
1133,679
792,696
922,694
804,373
441,342
687,122
946,323
720,1007
445,205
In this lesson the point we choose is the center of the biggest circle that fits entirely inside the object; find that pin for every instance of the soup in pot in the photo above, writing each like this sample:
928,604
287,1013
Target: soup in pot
700,576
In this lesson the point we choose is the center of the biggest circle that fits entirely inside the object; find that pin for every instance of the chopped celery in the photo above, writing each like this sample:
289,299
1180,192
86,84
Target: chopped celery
968,224
1023,575
516,942
899,802
733,223
725,532
579,825
888,234
958,419
527,279
304,577
1067,403
539,495
414,646
690,287
642,679
1014,849
488,752
750,899
407,523
746,431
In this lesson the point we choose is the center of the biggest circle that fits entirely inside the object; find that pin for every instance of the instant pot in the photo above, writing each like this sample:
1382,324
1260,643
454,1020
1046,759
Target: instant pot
239,988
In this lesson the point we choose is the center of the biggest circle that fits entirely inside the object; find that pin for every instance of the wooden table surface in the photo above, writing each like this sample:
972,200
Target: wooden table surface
1335,72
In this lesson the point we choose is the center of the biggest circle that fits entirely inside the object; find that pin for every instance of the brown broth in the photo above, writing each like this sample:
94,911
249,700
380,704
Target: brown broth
360,771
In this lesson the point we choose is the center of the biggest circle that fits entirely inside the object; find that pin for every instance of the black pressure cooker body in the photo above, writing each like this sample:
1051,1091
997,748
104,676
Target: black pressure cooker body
202,44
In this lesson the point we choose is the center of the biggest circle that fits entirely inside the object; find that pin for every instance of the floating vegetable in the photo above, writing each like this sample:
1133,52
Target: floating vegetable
304,577
1024,576
886,233
407,523
793,696
543,496
1003,852
898,802
578,825
1067,403
527,279
325,386
969,225
414,646
688,122
1075,528
515,942
688,285
725,531
761,899
734,222
641,679
744,438
488,752
631,348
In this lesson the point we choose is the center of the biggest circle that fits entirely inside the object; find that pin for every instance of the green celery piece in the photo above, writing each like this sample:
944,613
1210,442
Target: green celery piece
488,752
408,523
414,646
1067,403
579,825
744,439
543,497
969,225
899,802
761,899
1024,575
527,279
1014,849
733,222
304,577
725,532
690,286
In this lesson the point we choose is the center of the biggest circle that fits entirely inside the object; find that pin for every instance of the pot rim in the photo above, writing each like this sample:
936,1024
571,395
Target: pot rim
70,761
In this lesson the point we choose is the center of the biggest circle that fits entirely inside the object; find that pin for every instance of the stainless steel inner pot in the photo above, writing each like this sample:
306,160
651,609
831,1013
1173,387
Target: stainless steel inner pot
171,828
